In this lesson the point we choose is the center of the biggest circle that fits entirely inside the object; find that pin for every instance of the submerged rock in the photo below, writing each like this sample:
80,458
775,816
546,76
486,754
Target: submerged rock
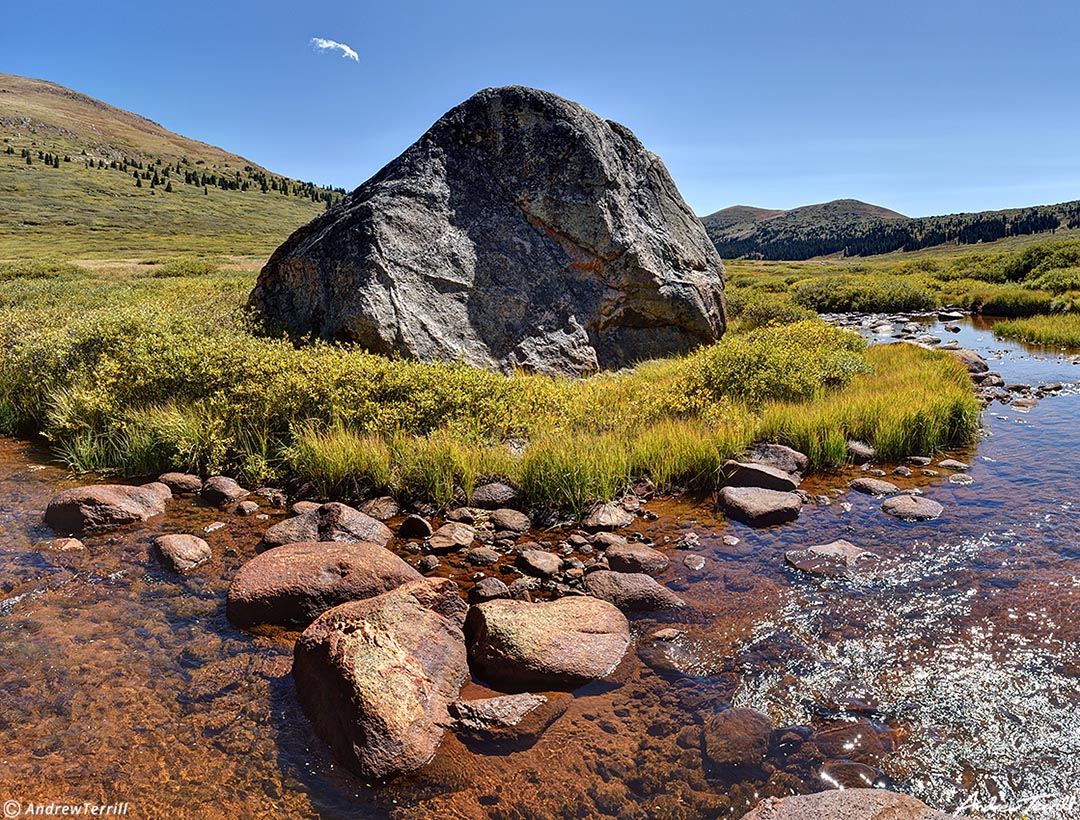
759,507
376,677
846,804
516,720
839,558
296,583
563,644
737,737
101,506
520,231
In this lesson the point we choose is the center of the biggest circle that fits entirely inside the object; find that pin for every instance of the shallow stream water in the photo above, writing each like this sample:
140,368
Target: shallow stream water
951,672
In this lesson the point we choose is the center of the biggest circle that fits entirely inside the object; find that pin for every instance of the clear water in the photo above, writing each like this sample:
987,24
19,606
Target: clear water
951,673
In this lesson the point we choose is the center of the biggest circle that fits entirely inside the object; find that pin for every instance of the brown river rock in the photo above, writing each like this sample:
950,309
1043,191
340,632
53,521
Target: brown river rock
295,583
328,522
849,804
631,591
102,506
563,644
376,677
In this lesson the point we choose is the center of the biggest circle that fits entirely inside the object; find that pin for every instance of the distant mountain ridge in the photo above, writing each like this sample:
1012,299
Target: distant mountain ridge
853,228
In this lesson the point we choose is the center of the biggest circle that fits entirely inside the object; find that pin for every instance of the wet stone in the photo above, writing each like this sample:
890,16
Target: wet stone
414,526
429,563
953,464
221,490
181,483
183,552
748,474
873,486
631,592
246,508
488,589
839,558
636,558
451,536
912,508
759,507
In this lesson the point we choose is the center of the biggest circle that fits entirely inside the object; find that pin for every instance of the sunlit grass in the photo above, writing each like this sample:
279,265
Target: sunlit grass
1053,331
133,374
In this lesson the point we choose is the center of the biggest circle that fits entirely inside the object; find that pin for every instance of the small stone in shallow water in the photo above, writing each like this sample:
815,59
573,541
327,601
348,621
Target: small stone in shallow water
873,486
636,558
217,525
953,464
246,508
911,508
183,552
840,558
759,508
731,540
902,471
962,479
61,545
221,490
694,563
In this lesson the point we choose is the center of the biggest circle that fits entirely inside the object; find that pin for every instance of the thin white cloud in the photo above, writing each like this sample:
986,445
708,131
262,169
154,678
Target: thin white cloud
330,45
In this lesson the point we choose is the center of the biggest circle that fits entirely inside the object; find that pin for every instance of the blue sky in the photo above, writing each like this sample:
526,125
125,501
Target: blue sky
924,107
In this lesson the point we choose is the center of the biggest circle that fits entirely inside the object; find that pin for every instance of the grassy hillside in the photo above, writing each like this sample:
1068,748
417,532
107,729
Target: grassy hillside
851,228
78,177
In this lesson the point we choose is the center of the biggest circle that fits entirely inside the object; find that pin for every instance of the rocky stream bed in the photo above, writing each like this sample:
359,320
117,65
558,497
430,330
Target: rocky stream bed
935,657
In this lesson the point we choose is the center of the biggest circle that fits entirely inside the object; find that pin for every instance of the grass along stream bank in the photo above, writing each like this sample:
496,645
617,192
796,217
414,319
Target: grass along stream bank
135,369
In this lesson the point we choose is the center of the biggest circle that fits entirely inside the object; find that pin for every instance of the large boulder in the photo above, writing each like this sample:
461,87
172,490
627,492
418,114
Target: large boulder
846,804
329,522
101,506
518,646
376,677
296,583
521,230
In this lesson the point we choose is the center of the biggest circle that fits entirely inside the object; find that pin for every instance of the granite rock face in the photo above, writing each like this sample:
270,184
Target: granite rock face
521,230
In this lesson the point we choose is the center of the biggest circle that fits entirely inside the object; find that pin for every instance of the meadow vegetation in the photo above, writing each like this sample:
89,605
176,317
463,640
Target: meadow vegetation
1035,279
143,368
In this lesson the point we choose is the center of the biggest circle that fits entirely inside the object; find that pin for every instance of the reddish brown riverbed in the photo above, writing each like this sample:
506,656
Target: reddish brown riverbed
120,681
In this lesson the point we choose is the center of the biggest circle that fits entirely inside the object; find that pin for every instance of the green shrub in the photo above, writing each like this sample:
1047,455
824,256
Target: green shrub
795,362
1055,280
763,310
44,268
862,294
1015,302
